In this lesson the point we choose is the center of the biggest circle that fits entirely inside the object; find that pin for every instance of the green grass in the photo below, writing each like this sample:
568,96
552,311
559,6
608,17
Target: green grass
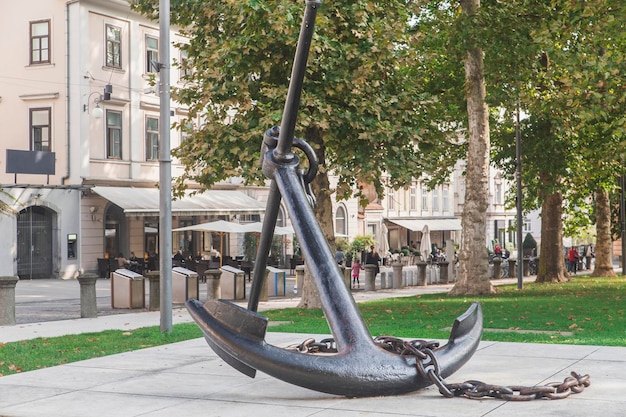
592,309
39,353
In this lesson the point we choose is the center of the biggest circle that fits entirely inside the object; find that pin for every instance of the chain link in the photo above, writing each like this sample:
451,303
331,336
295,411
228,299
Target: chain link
428,367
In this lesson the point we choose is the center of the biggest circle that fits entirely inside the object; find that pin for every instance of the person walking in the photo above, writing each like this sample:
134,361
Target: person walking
339,257
373,258
356,270
573,260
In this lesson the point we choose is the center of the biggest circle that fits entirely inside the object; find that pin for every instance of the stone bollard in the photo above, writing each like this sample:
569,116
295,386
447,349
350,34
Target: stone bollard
526,267
512,268
421,274
88,302
383,279
299,279
213,288
497,267
370,277
444,276
347,276
397,275
154,290
7,300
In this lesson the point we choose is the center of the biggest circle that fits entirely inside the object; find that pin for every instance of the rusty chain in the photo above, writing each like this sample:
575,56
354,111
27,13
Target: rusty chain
428,366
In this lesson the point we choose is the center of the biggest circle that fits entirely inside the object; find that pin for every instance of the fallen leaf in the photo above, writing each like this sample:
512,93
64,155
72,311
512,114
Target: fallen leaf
573,326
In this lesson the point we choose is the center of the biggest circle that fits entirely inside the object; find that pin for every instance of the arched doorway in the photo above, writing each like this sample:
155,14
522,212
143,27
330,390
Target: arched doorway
35,242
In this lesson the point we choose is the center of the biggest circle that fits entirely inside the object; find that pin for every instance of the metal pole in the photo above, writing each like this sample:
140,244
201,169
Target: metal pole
622,211
518,201
165,169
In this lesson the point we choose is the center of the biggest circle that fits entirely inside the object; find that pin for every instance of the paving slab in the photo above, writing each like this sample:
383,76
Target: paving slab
188,379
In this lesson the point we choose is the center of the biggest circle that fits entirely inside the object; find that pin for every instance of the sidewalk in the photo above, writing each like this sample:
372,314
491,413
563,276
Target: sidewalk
188,379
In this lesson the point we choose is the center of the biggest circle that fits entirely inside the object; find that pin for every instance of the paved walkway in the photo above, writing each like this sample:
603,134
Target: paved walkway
188,379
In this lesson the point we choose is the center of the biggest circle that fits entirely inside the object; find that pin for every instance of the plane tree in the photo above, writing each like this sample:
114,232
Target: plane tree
359,108
573,96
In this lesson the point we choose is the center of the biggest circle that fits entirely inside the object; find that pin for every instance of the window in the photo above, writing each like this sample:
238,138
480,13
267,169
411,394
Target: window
114,134
113,47
391,199
444,199
152,54
40,129
152,139
185,68
412,198
340,222
186,132
424,198
435,199
498,192
40,42
527,225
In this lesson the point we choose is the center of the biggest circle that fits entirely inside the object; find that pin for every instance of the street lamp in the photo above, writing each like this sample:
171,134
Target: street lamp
518,199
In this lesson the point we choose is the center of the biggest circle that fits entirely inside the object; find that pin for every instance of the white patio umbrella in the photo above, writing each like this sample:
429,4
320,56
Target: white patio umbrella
384,240
425,244
220,227
257,227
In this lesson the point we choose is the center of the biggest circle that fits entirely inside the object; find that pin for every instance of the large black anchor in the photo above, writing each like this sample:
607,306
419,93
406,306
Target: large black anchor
361,367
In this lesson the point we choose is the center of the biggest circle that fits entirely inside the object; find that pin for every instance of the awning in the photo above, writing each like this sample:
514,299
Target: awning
433,223
145,202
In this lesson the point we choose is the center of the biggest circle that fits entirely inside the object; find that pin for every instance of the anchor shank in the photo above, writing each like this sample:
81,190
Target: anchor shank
344,318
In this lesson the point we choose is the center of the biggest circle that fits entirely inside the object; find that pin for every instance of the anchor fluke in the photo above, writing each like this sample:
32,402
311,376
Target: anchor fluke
223,317
359,370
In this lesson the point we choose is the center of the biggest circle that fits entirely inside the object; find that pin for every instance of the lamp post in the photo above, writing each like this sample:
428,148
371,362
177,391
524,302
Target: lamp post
165,170
518,200
622,214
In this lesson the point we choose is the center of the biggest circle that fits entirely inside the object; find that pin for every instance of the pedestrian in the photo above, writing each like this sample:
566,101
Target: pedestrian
573,260
373,258
339,257
498,250
121,261
356,270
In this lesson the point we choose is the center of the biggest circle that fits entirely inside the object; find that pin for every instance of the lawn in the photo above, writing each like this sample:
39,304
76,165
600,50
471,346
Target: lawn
585,311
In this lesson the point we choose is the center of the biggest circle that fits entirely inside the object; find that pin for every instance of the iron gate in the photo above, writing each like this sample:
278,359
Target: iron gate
34,243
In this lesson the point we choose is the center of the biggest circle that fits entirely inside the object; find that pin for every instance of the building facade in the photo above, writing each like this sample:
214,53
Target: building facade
79,158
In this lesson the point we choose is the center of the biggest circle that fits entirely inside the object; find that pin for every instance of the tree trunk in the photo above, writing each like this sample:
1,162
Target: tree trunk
323,213
552,256
604,247
473,261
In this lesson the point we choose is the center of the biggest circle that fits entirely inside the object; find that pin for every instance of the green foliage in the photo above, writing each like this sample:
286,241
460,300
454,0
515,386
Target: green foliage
529,242
250,243
362,242
357,89
342,244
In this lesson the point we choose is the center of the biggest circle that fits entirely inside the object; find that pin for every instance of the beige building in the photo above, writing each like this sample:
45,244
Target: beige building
79,159
79,162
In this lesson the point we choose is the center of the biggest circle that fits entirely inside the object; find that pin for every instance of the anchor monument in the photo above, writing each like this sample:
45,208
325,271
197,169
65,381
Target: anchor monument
361,366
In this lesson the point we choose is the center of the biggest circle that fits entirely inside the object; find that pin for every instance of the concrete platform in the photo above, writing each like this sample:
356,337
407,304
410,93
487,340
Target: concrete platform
188,379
